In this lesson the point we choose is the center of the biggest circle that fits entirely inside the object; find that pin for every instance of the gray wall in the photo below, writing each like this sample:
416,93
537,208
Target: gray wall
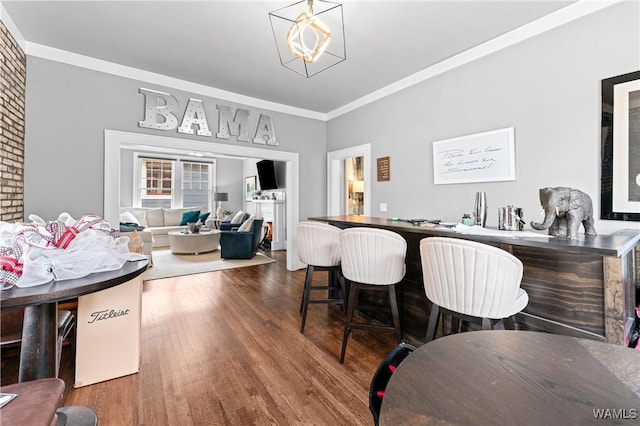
68,108
547,87
230,179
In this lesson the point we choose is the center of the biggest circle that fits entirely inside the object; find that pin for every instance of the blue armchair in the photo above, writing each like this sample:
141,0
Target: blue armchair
241,245
228,226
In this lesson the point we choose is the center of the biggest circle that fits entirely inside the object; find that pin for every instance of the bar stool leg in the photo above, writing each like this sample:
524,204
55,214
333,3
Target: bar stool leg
486,324
306,296
508,323
393,301
348,321
331,284
433,322
343,290
304,290
455,324
336,291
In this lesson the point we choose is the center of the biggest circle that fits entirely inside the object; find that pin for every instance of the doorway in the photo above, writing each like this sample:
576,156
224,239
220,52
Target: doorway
338,182
115,141
354,186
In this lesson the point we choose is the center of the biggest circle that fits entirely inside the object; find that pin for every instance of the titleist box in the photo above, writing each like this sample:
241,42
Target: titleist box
108,333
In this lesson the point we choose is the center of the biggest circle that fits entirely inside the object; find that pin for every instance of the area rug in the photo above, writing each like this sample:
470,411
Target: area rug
166,264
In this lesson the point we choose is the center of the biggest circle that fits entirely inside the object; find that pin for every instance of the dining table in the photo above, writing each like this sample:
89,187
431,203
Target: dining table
514,377
39,333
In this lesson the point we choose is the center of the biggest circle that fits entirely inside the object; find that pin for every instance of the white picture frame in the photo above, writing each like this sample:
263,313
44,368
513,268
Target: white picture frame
480,157
249,187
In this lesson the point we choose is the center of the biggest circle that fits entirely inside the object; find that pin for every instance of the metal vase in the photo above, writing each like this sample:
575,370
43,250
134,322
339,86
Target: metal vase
510,218
480,209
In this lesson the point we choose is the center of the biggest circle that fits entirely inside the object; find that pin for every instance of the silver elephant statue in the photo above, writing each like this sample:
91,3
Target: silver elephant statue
565,209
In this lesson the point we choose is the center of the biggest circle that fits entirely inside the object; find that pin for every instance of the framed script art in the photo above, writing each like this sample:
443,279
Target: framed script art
249,187
481,157
620,169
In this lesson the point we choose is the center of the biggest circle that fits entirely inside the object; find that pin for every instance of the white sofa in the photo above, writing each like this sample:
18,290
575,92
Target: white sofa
160,221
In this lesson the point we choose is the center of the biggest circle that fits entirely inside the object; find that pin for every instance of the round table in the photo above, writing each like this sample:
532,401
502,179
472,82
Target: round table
514,377
202,242
40,326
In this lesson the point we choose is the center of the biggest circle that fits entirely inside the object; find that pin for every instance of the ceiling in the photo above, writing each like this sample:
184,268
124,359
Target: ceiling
229,45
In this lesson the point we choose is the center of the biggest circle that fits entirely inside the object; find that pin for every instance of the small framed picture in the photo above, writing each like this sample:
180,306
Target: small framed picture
249,187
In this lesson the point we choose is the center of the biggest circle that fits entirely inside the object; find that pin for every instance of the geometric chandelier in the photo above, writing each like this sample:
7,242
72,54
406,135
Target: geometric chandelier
309,35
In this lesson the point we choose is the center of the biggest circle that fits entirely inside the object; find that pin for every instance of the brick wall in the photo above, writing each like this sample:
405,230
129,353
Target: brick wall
13,73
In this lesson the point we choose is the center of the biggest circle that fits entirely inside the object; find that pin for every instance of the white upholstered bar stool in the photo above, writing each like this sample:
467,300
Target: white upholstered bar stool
472,282
372,259
319,247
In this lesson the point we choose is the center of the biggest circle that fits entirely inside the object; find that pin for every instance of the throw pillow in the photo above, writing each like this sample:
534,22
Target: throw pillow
173,217
155,217
247,226
190,216
140,214
128,217
237,218
204,216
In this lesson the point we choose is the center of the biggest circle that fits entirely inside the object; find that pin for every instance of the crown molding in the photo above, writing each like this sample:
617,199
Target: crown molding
12,28
555,19
70,58
548,22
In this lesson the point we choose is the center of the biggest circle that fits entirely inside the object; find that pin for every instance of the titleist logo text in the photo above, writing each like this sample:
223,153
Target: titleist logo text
107,314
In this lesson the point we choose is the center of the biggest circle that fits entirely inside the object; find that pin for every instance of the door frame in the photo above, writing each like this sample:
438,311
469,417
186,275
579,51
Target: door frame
335,176
115,141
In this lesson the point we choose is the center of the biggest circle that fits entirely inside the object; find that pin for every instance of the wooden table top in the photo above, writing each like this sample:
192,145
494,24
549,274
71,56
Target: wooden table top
61,290
514,378
614,244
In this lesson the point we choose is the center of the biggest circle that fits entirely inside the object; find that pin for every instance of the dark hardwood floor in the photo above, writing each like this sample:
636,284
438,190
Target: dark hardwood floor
224,348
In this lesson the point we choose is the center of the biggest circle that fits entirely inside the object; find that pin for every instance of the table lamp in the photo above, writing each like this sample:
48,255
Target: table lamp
220,197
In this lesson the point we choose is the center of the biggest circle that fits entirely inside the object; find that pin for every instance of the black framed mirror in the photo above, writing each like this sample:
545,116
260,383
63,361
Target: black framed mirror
620,151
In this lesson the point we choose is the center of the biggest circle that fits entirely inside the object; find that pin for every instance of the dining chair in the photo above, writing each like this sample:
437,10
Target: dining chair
11,324
66,325
372,259
472,282
319,248
383,374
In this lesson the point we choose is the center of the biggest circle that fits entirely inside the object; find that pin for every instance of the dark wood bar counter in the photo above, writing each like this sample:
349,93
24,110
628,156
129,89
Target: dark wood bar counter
584,288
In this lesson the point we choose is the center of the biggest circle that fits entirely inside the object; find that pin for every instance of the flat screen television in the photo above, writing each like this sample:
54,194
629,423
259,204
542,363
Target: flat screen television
267,174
